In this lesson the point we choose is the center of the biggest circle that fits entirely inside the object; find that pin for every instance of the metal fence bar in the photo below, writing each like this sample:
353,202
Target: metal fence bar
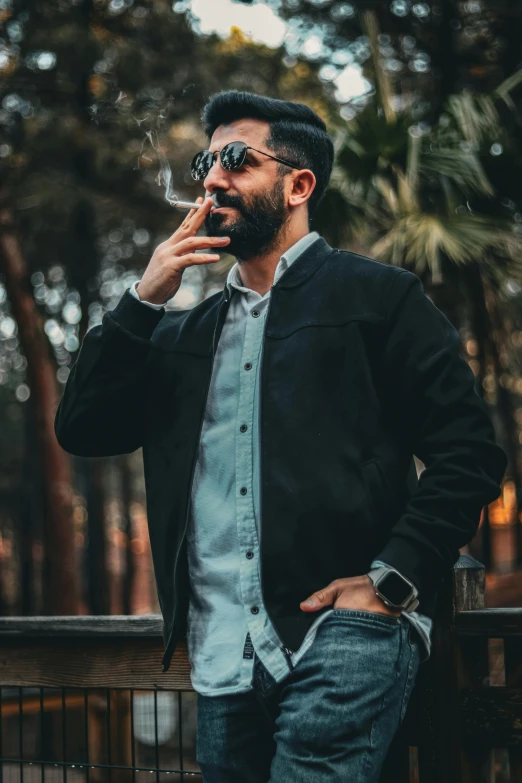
1,738
86,731
42,734
109,744
133,744
156,743
21,733
180,735
64,736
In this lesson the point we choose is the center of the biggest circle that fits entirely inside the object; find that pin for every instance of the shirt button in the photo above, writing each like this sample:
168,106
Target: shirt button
243,428
255,313
243,490
255,610
250,554
248,366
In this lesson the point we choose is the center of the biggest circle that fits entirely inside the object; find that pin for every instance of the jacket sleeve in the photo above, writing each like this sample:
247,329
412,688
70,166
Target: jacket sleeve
102,407
430,390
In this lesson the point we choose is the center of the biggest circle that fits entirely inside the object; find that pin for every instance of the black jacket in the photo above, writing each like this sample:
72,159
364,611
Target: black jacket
360,371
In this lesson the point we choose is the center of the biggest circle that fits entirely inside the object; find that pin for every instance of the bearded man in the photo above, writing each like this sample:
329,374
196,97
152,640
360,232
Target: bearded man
293,542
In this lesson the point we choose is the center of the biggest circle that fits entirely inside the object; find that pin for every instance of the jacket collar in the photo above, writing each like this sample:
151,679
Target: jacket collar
303,267
290,255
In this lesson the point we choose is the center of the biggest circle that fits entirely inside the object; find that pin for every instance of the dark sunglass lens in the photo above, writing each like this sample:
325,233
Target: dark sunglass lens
201,164
233,155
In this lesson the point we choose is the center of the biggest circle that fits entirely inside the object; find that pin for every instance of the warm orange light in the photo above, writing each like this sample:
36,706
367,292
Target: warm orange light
137,546
119,538
472,347
502,511
80,515
509,495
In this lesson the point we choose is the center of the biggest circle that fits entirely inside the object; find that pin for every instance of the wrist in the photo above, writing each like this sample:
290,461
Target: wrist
144,296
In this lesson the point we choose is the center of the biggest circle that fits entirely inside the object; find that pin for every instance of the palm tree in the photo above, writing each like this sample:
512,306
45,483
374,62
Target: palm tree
411,195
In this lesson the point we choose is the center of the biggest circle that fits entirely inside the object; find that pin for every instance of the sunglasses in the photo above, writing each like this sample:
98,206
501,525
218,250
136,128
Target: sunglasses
232,157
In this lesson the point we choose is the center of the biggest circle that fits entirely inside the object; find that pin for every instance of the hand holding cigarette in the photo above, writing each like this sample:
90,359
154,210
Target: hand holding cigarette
185,204
162,277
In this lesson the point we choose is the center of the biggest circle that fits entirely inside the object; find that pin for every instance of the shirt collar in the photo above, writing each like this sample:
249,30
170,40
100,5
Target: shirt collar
289,256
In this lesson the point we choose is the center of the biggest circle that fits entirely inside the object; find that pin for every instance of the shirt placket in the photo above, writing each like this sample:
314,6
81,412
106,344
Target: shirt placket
245,511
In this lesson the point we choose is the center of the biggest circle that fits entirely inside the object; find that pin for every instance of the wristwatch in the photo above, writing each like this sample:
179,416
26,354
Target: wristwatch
394,589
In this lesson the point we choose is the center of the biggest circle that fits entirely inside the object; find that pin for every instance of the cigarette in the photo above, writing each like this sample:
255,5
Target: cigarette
185,204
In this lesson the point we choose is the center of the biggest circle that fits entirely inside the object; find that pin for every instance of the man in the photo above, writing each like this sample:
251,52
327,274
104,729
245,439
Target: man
292,541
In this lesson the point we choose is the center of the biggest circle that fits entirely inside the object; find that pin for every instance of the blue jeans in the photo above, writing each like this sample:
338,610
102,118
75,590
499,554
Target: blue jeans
332,719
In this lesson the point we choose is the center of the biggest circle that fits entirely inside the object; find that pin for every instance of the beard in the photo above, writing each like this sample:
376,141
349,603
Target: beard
258,226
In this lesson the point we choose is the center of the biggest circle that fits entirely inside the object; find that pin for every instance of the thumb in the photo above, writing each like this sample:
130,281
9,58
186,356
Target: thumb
320,598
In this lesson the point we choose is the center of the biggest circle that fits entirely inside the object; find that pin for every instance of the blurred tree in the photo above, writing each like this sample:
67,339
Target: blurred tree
423,200
89,89
61,571
431,49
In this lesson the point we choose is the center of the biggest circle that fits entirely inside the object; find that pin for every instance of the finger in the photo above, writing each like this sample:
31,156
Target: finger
197,258
192,212
197,220
192,223
190,244
320,598
186,220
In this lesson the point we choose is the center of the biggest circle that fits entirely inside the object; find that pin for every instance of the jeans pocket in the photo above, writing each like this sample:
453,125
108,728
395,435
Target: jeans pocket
367,615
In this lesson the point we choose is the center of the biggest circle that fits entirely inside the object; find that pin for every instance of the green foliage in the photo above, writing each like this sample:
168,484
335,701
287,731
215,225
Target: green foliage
83,86
411,191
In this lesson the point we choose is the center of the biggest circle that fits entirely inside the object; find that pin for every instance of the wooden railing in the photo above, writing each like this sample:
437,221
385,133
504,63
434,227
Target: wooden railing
464,715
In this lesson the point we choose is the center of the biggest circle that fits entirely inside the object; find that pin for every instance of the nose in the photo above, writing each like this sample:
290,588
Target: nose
216,178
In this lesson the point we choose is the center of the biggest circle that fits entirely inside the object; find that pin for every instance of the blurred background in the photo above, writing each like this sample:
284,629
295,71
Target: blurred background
99,118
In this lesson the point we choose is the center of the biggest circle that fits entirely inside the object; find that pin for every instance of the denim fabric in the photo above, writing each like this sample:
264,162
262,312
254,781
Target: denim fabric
331,720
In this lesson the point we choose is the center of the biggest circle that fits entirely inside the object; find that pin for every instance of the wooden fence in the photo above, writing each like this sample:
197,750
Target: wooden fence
464,714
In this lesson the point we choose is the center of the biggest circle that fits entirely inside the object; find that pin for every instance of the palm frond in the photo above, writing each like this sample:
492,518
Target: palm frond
420,241
460,165
503,90
475,115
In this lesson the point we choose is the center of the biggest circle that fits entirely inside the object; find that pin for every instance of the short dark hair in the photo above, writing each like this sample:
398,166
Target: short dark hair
297,133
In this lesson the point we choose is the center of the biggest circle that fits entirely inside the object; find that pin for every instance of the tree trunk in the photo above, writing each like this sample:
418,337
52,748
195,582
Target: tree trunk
98,572
55,463
29,511
448,294
83,266
81,249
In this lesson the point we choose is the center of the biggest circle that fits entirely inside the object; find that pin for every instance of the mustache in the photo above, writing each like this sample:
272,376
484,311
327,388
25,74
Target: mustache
228,201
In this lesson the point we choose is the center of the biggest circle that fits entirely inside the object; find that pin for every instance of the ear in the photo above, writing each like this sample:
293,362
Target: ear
302,185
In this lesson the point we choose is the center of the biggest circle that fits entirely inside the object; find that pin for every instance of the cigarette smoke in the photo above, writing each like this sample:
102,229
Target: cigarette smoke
164,175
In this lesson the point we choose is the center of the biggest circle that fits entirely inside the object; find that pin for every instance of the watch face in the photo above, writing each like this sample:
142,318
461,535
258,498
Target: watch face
394,588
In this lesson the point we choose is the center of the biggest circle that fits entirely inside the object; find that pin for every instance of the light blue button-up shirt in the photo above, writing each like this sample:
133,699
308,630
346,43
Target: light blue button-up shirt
223,534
